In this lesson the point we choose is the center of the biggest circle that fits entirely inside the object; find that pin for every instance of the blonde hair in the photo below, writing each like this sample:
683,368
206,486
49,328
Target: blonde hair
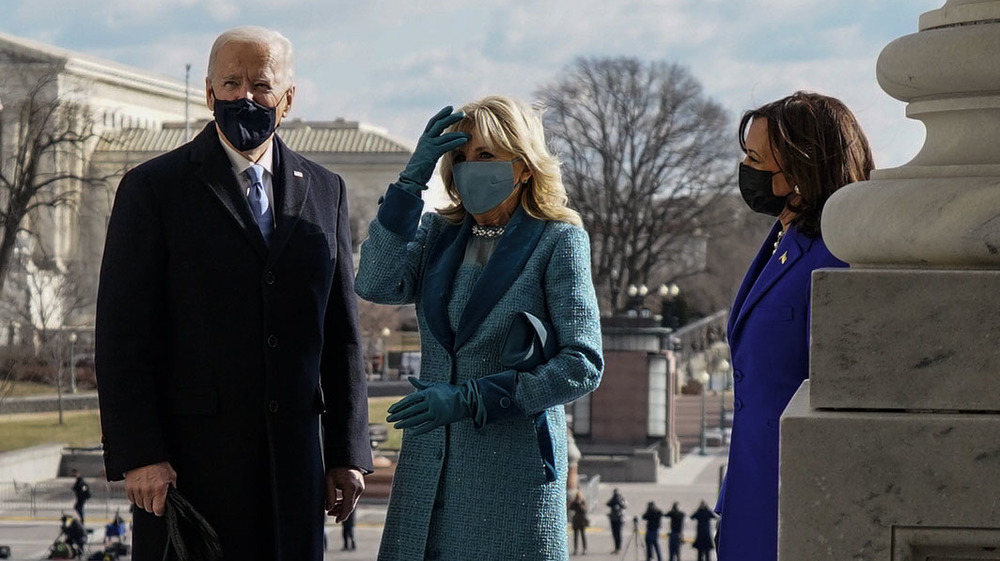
505,123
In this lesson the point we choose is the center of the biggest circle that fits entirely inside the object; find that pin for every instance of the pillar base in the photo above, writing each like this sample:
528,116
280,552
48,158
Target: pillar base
853,483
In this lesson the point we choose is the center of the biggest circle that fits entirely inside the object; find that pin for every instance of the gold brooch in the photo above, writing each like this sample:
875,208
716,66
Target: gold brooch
783,258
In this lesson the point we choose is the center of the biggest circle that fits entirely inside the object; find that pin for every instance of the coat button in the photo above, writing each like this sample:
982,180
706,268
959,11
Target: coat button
272,406
505,402
269,277
737,405
272,341
738,375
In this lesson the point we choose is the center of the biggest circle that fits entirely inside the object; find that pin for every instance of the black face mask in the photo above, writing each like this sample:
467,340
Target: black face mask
244,122
755,186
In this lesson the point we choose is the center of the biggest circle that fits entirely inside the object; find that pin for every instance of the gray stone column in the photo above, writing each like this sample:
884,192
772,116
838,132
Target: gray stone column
892,450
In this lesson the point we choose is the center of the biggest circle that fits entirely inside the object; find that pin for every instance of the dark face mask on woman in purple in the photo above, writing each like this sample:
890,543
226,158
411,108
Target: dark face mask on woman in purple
757,191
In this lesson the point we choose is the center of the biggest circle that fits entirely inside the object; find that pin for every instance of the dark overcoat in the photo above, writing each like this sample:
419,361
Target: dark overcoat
219,353
769,340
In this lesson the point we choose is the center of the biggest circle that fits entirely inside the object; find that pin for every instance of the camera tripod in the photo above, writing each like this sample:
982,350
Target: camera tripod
633,539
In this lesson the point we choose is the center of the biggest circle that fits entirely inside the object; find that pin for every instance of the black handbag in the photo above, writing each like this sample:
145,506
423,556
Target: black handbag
189,536
529,343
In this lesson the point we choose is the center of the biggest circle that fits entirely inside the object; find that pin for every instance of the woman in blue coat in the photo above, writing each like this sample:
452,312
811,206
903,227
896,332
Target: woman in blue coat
482,469
799,150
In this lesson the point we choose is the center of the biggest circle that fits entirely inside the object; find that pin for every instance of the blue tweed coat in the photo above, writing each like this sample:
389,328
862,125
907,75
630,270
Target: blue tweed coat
462,493
769,339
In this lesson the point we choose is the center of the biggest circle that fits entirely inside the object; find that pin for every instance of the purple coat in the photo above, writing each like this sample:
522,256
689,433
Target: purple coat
769,340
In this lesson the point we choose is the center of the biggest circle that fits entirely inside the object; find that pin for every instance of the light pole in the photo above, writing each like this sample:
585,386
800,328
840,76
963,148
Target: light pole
385,351
704,382
667,295
72,366
636,297
723,382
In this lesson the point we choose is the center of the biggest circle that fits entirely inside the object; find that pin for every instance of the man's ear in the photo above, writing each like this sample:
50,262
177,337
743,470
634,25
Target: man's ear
209,95
289,94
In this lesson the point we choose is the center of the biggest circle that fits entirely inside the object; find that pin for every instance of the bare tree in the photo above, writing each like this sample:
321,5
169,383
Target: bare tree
49,295
43,157
644,152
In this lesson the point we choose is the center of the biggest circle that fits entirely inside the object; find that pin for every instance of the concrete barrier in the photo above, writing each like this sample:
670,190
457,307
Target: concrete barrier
43,403
30,465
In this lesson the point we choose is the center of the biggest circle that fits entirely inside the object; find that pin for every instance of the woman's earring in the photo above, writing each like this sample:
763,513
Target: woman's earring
796,189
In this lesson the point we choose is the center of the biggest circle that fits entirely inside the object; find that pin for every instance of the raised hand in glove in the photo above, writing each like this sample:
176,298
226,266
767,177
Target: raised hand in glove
430,147
434,405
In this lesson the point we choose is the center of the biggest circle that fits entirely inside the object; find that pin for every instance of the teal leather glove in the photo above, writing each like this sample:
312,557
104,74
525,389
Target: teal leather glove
434,405
430,147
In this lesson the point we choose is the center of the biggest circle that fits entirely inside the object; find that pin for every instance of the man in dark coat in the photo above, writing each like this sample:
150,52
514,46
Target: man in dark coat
676,517
616,516
228,355
82,493
653,516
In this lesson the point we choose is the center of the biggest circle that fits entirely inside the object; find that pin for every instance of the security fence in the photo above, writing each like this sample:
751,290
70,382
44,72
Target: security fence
54,498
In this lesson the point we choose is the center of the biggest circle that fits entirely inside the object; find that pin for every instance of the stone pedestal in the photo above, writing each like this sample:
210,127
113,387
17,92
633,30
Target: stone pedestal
892,450
855,485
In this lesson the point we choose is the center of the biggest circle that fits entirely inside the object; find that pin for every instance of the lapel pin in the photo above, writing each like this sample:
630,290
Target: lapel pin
297,173
783,258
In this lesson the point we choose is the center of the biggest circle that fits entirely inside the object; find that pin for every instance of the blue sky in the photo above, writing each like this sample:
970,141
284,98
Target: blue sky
393,63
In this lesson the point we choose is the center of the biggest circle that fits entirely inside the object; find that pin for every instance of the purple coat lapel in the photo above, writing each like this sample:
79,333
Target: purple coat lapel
765,271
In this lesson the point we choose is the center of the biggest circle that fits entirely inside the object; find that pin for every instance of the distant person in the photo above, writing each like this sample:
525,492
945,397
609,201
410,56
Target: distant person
703,534
653,516
484,434
115,530
73,534
616,516
676,536
229,358
579,521
348,532
81,490
798,151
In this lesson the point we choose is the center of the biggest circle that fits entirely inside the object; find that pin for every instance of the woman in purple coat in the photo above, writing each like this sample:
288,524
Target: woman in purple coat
799,150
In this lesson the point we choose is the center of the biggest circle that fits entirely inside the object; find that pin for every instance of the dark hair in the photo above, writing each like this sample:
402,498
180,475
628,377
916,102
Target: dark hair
818,145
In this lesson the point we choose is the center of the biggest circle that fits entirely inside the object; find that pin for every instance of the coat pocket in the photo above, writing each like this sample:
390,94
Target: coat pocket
193,401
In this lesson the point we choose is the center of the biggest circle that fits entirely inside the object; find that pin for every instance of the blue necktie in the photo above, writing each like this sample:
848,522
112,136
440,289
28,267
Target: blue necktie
259,205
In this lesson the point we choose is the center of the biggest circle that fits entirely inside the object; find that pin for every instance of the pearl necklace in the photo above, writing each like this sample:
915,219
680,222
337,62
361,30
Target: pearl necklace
487,231
781,234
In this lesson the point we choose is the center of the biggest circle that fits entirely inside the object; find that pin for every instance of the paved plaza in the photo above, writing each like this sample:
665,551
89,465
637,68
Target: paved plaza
693,479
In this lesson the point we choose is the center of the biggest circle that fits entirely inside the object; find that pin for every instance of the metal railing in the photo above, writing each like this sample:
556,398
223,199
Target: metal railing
54,498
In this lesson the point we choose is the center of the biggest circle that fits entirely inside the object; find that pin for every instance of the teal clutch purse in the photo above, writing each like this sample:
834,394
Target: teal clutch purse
529,343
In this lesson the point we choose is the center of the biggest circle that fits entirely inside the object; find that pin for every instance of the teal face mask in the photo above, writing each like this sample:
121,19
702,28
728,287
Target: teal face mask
483,185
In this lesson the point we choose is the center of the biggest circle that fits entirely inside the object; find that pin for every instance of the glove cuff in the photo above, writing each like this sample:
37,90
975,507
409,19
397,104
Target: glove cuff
399,211
495,398
411,185
473,403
